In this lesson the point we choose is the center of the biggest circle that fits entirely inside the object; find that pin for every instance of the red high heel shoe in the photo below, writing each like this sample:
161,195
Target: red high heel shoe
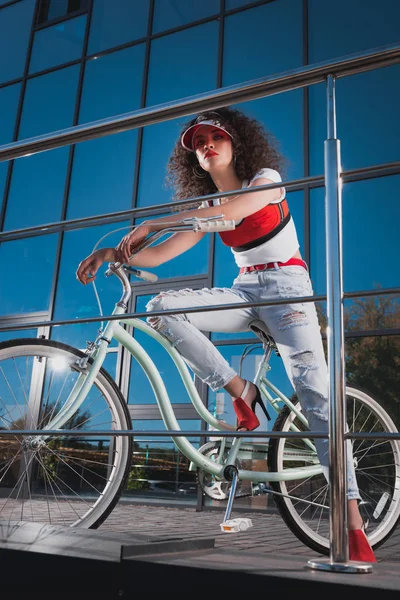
359,547
247,418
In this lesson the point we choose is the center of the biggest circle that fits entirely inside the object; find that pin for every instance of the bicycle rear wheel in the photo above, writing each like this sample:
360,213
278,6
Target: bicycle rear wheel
63,480
377,466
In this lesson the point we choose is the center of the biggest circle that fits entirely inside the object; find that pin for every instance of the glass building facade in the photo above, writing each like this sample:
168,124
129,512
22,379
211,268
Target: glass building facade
71,62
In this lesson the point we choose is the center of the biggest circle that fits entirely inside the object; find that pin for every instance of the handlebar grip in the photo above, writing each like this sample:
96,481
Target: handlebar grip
223,225
146,275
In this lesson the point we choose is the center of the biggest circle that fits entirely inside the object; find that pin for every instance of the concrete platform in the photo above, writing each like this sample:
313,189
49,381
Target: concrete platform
160,550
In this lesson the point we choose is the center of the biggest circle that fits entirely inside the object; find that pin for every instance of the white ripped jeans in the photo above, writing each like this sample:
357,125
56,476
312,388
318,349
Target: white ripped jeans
294,327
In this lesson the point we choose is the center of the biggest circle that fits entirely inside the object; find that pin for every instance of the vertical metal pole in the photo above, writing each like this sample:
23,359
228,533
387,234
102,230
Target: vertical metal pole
339,552
335,334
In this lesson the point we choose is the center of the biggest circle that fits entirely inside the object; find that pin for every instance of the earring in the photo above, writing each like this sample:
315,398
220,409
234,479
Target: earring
199,174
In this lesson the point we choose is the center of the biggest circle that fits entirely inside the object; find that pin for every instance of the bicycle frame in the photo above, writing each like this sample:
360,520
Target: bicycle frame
114,330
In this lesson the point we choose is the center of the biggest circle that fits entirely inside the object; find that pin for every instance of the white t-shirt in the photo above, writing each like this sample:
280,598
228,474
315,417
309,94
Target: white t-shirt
278,249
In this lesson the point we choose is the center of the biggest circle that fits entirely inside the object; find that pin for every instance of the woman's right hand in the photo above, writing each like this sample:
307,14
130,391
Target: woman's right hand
88,268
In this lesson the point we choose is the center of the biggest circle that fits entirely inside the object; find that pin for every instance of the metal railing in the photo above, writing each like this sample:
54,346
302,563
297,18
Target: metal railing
322,72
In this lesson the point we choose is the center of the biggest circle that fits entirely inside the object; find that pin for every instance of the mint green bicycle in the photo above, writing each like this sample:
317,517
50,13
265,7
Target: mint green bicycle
77,481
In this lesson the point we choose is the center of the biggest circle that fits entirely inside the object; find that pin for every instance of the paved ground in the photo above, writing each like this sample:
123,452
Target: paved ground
269,534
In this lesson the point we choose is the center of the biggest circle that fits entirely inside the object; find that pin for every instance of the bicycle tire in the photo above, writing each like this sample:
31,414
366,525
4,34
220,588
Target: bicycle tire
378,481
74,482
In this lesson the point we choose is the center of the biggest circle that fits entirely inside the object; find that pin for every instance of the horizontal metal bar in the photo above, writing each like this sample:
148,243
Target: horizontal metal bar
191,433
113,217
167,432
372,436
194,309
124,214
367,293
250,90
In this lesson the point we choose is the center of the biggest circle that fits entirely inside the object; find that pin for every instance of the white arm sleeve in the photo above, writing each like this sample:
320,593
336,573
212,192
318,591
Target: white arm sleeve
273,176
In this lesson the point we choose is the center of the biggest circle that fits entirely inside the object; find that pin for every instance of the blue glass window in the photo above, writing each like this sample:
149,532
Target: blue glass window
232,4
191,67
48,10
17,333
173,13
165,85
192,262
3,176
263,40
15,27
366,26
33,259
140,391
112,84
49,102
73,300
157,146
116,22
370,217
367,120
58,44
282,116
37,189
9,98
102,175
158,425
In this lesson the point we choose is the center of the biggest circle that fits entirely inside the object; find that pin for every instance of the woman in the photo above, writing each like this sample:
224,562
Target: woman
221,151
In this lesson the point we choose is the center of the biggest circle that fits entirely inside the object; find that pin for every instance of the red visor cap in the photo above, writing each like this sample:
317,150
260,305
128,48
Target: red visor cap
187,137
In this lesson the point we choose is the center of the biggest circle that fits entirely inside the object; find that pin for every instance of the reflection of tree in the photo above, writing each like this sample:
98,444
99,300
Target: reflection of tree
372,362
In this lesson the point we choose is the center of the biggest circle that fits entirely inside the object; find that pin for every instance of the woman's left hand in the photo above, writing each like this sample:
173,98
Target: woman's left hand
129,242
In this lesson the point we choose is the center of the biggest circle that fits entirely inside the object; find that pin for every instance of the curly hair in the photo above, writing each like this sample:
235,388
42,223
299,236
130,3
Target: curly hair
253,147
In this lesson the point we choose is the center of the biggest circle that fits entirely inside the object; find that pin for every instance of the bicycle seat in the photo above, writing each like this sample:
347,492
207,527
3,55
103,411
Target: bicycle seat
262,332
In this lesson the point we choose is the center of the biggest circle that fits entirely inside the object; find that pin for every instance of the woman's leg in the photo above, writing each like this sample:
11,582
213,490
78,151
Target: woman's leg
296,331
185,331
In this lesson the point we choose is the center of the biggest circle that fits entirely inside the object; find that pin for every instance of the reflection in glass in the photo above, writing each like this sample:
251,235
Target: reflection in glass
368,230
112,84
75,300
232,4
116,22
195,50
9,98
192,262
10,334
30,260
49,102
250,53
102,175
157,146
368,130
364,27
15,27
140,390
37,189
58,44
174,13
282,117
158,469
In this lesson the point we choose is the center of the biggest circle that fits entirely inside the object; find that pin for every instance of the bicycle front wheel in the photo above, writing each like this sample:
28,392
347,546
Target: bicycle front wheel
62,480
377,466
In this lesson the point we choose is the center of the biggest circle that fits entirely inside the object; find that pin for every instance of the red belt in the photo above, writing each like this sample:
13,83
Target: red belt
274,265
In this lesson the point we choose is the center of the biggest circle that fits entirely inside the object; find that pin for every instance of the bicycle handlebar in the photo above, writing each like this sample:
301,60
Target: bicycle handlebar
195,224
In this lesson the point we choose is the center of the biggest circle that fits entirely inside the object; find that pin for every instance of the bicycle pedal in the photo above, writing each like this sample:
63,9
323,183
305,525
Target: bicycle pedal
236,525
